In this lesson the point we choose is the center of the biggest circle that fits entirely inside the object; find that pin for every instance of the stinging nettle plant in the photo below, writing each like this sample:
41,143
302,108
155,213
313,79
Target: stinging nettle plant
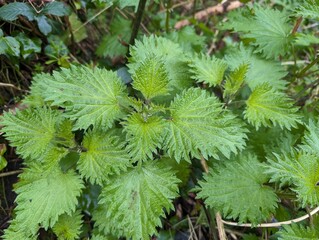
84,128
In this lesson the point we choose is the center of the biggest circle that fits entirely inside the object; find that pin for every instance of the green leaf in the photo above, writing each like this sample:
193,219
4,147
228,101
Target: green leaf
151,78
199,125
310,142
68,227
11,11
3,161
133,202
297,232
90,97
209,70
28,46
9,45
308,9
235,80
14,231
31,131
170,53
44,195
260,70
103,156
268,107
144,134
238,189
43,24
188,39
299,170
55,8
112,44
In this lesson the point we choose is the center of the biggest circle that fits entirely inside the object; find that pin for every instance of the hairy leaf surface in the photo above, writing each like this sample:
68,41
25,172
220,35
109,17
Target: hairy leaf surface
235,80
298,232
135,200
310,142
103,156
171,54
90,97
199,125
68,227
260,70
32,131
144,136
300,170
237,189
45,195
309,9
151,78
208,70
268,107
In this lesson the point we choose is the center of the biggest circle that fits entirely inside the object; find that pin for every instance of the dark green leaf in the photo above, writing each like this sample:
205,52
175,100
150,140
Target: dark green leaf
11,11
56,8
43,24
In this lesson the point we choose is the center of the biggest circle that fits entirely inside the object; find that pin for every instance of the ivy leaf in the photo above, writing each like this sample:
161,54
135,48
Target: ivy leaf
45,195
199,125
260,70
299,170
297,232
103,156
308,9
135,200
209,70
268,107
310,142
11,11
237,189
91,97
235,80
151,78
144,135
172,56
68,227
31,131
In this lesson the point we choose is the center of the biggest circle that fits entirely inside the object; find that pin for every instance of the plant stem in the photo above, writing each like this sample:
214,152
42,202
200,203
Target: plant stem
137,21
10,173
310,65
168,15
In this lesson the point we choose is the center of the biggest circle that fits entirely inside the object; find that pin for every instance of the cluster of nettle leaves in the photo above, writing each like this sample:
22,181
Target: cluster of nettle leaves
84,127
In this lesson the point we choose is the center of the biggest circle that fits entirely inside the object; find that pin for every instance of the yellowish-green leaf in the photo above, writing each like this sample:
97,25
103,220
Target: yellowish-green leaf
269,107
68,227
235,80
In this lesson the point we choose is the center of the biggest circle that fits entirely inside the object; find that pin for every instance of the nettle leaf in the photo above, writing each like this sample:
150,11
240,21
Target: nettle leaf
134,201
68,227
308,9
235,80
11,11
144,134
31,131
151,78
238,189
300,170
172,55
14,231
112,44
297,232
103,156
45,195
209,70
90,96
260,70
310,142
271,31
268,107
199,125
